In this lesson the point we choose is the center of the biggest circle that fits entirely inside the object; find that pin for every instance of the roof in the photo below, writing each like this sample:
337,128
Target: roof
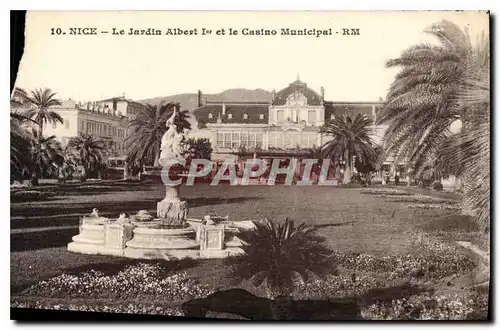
351,109
121,98
313,98
253,110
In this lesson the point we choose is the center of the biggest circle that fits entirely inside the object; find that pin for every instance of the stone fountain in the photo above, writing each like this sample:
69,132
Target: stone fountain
169,235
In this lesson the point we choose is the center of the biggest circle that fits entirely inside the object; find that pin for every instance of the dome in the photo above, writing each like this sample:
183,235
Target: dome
313,98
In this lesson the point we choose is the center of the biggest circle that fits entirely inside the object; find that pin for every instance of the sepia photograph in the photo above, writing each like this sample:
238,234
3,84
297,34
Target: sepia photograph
239,165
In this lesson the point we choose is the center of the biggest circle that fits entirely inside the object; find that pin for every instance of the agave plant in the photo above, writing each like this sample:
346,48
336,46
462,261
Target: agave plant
279,255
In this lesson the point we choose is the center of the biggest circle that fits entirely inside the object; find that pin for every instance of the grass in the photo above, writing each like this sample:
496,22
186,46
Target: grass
352,223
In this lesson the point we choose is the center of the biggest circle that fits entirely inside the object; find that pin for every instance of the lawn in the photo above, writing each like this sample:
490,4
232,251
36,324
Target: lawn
357,225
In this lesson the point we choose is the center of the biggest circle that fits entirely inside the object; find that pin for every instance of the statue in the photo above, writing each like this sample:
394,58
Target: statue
171,209
95,213
172,149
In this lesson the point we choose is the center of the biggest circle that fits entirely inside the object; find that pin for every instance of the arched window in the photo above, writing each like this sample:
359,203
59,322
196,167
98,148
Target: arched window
210,116
230,116
245,116
261,116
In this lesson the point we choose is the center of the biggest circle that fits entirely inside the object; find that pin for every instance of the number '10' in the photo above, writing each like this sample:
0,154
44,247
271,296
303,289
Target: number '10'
55,31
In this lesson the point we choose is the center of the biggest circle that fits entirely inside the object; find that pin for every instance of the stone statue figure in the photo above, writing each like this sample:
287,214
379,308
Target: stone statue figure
171,143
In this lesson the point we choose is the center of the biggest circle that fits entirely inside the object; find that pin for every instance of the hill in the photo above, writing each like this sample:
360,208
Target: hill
189,101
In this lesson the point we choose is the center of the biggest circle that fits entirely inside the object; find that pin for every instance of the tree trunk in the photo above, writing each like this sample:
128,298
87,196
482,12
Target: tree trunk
34,179
83,174
125,171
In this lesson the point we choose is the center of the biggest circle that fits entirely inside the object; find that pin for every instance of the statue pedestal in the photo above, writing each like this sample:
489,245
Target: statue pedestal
171,209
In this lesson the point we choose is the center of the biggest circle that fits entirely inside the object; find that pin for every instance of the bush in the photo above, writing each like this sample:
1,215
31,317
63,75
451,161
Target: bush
27,196
438,186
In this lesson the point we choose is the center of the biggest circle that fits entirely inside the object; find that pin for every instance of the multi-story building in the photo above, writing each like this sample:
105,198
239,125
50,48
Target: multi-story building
107,119
291,119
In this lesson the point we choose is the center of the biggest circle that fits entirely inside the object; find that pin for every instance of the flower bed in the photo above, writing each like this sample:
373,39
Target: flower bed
141,281
422,199
440,206
29,195
385,192
427,306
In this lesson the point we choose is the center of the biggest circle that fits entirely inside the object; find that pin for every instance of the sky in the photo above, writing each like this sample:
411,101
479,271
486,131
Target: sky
350,68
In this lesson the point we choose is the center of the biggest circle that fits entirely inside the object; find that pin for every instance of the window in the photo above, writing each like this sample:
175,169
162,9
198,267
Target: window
332,117
311,116
82,125
280,115
229,116
66,124
115,104
245,116
227,140
54,124
235,140
220,140
244,139
210,116
258,140
261,116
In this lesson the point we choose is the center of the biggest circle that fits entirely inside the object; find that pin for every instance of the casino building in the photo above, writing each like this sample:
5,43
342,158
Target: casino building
287,123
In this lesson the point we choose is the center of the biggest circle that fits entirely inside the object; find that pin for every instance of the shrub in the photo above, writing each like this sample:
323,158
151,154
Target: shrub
438,186
28,196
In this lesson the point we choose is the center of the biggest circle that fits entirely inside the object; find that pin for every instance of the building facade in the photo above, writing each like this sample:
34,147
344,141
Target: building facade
106,119
290,120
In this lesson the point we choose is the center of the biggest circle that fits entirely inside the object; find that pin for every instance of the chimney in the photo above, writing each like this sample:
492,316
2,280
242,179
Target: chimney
200,95
223,108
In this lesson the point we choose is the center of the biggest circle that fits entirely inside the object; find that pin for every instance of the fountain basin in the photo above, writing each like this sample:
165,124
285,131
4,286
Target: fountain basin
152,243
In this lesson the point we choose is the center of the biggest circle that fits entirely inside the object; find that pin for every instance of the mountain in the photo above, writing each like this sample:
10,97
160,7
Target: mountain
189,101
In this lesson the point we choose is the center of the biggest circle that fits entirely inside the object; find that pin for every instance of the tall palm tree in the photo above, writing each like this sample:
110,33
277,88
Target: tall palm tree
45,154
43,100
88,151
350,137
436,87
146,131
279,255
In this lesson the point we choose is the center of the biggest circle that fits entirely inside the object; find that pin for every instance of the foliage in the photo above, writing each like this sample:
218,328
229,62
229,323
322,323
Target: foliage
280,254
437,185
429,306
20,143
45,156
200,148
385,192
437,87
88,151
350,137
43,100
146,131
133,282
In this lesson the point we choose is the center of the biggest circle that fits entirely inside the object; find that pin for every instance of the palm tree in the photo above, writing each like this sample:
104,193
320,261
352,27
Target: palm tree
20,145
349,138
43,99
45,155
279,255
436,87
88,151
146,131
